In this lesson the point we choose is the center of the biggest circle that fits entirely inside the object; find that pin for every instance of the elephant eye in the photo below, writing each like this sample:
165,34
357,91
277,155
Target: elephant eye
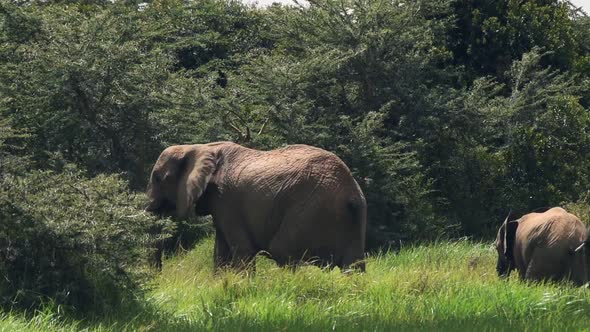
157,178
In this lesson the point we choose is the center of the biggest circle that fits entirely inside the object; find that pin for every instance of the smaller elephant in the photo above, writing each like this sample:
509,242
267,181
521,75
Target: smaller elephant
543,246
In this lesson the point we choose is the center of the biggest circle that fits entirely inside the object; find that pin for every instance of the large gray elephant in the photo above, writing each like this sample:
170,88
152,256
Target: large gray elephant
543,246
295,203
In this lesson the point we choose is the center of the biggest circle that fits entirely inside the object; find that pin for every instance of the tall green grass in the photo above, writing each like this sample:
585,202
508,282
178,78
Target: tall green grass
443,286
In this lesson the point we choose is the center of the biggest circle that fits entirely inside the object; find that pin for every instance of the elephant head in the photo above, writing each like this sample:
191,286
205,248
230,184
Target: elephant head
179,178
585,243
505,246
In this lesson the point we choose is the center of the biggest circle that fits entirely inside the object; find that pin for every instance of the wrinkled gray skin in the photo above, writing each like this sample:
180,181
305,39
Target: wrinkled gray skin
542,246
296,203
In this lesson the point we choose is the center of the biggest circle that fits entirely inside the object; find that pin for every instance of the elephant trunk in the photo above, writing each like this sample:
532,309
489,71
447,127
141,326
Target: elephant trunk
360,266
581,267
356,265
353,260
152,206
578,265
160,207
503,267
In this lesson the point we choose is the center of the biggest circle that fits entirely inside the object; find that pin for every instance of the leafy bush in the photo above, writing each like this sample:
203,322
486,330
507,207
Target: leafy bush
399,90
75,240
520,145
580,208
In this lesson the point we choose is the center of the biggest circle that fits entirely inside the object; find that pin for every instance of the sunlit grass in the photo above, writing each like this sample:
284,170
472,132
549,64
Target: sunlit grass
442,286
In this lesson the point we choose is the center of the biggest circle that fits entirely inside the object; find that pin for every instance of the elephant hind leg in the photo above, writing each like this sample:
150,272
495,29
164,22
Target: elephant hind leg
540,269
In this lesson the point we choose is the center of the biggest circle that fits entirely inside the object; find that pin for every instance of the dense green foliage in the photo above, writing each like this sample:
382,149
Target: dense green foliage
73,240
442,287
449,113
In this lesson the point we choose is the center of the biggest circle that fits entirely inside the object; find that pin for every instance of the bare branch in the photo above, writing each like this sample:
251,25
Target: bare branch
263,126
235,128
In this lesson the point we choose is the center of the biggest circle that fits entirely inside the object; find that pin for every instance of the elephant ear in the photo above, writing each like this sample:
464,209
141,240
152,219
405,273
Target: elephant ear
510,228
200,164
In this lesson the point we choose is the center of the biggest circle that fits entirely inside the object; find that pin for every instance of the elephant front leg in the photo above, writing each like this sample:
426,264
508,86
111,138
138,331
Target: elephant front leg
222,256
235,257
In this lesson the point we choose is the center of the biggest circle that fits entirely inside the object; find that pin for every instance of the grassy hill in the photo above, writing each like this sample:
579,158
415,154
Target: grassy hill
444,286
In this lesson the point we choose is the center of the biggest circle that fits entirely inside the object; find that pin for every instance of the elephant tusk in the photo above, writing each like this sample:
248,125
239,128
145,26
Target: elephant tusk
580,247
143,212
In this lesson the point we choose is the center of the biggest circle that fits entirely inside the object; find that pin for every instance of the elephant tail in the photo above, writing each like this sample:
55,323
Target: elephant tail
354,254
357,205
357,211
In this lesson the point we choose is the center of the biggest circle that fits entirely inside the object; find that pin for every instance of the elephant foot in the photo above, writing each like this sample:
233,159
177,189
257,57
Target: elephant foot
247,263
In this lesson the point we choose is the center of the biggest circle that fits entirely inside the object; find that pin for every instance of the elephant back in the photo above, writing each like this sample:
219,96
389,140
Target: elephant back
553,227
